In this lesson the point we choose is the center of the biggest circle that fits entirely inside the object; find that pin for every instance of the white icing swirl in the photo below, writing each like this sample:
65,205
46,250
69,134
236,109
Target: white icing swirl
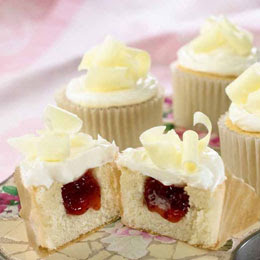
245,120
143,91
37,172
209,174
220,61
222,48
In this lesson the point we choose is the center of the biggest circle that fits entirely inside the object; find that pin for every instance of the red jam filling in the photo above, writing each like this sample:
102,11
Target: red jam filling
171,202
82,194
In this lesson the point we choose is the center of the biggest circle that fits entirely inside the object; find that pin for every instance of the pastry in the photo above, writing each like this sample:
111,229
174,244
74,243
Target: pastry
68,183
117,98
179,189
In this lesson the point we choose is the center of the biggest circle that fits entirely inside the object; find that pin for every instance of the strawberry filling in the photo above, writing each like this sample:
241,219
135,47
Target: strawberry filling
171,202
81,195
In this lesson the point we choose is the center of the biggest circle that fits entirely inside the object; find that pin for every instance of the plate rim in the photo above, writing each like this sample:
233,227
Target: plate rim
243,243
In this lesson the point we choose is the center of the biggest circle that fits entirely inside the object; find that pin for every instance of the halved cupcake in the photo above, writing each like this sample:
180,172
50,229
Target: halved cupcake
68,183
179,189
118,98
205,66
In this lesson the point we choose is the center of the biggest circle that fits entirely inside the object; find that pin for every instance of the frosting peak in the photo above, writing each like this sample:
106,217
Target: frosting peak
59,152
219,32
245,89
56,140
244,93
172,161
166,150
222,48
113,66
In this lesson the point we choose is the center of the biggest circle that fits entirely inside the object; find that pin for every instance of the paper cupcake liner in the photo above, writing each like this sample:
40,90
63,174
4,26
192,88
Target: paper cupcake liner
123,124
198,92
240,153
241,209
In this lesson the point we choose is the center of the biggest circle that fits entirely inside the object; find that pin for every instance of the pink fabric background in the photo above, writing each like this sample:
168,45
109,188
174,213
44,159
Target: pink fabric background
41,42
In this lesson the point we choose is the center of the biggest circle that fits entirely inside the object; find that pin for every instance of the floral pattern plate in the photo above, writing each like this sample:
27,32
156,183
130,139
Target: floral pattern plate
114,242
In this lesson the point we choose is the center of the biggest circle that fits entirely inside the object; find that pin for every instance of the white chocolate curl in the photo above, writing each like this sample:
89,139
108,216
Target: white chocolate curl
54,143
200,118
218,32
60,120
245,89
244,93
113,66
166,150
190,155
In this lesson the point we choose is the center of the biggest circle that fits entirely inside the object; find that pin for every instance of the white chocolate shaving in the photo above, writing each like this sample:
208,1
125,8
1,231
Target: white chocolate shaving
218,32
190,155
253,102
200,118
53,143
244,93
81,139
166,150
100,79
163,149
113,66
59,120
247,83
27,145
53,147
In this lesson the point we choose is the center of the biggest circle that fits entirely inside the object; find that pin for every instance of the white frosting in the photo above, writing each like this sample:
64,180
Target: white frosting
37,172
243,119
77,93
221,61
209,174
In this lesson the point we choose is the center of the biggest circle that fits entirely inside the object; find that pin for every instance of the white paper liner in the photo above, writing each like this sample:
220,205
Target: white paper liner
123,124
241,209
240,153
198,92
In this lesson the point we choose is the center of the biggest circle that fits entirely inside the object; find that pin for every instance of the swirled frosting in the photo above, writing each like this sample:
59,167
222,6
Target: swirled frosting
245,120
60,153
222,48
116,75
244,93
172,161
143,90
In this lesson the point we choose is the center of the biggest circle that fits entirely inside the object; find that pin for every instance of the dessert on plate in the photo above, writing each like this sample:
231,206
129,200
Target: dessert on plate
117,98
239,128
178,188
205,66
68,183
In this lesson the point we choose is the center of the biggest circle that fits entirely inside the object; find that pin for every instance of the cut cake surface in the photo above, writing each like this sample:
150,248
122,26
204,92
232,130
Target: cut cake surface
49,226
200,226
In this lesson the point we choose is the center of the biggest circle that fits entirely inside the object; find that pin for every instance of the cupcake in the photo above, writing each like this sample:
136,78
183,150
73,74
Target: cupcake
68,183
179,188
204,68
239,128
118,98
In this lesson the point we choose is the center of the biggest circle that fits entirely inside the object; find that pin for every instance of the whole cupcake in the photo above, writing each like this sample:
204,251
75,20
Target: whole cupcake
239,128
205,66
117,98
